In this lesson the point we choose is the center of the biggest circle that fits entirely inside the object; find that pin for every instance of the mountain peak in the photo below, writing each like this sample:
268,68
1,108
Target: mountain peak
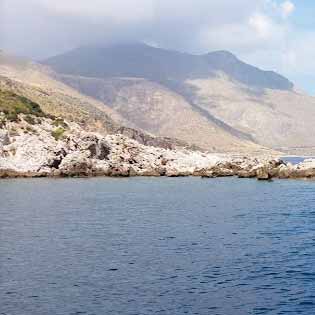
223,54
136,59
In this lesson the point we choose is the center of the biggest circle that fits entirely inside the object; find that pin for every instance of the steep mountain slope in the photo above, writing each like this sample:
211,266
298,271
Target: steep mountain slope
35,82
247,103
38,84
282,120
155,108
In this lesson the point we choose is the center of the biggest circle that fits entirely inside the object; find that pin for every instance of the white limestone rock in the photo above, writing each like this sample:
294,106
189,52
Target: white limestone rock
35,151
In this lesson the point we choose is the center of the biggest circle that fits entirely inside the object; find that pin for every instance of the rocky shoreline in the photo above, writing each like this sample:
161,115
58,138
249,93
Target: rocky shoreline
55,148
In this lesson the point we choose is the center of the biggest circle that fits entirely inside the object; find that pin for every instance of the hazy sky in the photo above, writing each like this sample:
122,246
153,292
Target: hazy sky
272,34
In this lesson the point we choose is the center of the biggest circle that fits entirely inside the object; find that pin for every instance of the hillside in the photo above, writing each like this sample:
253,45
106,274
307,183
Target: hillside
167,92
155,108
43,86
11,105
279,119
38,83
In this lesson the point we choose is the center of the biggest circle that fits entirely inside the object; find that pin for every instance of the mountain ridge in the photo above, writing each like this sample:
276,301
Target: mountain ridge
141,60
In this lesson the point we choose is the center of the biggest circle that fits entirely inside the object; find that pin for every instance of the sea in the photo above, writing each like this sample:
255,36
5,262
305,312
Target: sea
140,246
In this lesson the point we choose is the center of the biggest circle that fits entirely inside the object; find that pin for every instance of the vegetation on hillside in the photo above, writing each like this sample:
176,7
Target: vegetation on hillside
58,133
62,102
59,122
11,105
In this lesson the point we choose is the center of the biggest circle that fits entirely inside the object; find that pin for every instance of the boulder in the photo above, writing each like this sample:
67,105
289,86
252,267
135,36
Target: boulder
222,171
4,138
150,172
201,172
177,172
76,165
119,170
285,171
305,169
251,173
263,173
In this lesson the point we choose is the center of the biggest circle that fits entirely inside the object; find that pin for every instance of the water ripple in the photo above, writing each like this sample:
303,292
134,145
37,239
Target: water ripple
157,246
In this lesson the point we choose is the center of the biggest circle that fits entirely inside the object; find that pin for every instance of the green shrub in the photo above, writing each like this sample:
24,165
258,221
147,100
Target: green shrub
11,105
59,122
11,116
58,133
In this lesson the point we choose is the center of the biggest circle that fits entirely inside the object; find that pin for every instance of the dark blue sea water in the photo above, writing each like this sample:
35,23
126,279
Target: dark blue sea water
296,159
157,246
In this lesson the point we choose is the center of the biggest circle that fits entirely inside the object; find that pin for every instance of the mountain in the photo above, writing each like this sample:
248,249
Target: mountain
152,107
142,61
39,84
42,85
213,100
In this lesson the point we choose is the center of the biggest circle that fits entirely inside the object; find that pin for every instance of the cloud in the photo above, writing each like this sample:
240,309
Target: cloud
172,24
262,25
114,10
260,32
287,8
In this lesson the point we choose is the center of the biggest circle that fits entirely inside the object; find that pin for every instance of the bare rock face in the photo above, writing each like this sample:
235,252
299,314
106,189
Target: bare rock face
4,140
172,172
305,169
96,146
119,171
8,173
151,172
76,164
42,150
4,137
285,171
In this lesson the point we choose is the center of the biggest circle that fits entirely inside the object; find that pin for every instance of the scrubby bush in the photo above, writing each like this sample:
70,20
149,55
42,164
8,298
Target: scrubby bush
58,133
59,122
11,105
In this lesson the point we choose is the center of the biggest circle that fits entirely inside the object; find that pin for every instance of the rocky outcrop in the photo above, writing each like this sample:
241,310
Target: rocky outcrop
263,173
44,148
4,139
304,170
